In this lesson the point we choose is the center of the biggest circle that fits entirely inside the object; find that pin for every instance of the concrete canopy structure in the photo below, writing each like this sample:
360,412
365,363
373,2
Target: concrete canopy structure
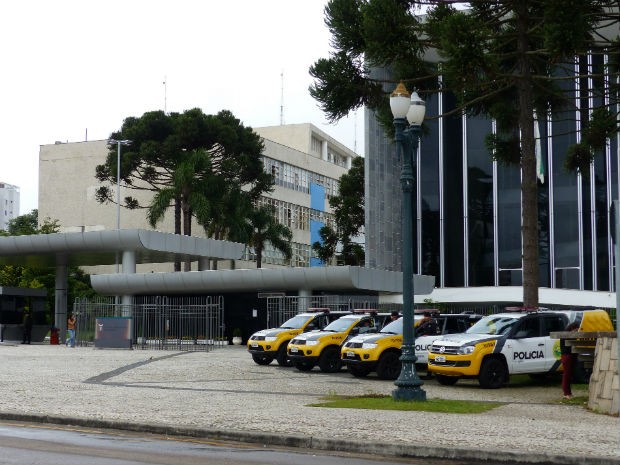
101,248
61,250
303,280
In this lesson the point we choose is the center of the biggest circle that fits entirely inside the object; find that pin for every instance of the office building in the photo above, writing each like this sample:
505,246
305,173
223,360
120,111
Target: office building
305,161
9,204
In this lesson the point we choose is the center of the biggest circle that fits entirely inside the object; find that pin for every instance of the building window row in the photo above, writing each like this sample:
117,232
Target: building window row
300,255
298,179
296,216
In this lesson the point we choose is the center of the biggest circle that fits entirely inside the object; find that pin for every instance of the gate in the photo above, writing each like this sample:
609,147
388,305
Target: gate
281,308
164,323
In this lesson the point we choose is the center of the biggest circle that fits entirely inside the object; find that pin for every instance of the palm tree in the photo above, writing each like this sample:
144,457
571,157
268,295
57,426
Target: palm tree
264,228
190,189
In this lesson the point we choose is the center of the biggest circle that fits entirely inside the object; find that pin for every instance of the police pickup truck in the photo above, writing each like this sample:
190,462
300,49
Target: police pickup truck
269,344
508,343
323,347
381,352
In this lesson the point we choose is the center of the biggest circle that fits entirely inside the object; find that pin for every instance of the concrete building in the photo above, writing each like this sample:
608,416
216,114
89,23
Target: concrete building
9,203
305,161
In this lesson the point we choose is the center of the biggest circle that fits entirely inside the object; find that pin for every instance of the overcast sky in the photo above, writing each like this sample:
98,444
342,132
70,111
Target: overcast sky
74,69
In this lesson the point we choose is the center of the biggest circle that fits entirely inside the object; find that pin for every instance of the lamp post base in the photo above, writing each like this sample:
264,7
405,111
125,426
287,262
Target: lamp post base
408,384
408,394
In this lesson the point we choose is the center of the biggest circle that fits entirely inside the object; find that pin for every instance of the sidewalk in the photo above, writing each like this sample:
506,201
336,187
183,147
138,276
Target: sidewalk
223,394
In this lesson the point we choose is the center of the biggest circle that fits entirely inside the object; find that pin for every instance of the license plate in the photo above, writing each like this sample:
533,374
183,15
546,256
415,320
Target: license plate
294,349
254,344
440,359
350,354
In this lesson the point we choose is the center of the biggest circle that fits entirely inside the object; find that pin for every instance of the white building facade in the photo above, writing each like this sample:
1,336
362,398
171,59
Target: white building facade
9,203
306,164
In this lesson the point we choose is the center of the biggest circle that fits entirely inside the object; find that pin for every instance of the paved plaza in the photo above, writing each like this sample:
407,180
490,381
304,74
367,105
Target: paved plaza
224,394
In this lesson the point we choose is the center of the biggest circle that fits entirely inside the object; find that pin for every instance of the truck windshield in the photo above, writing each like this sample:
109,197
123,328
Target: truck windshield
396,327
341,324
492,324
295,323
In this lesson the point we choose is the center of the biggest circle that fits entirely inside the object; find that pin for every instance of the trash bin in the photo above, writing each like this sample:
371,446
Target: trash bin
54,336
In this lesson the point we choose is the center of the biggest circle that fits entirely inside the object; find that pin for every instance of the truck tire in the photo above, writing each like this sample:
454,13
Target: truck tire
446,380
493,373
262,359
282,356
358,372
330,362
389,366
304,366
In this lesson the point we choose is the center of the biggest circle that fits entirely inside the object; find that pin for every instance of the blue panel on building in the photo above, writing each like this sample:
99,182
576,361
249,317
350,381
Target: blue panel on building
317,197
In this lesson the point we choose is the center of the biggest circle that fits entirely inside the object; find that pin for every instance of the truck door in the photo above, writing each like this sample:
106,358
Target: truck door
525,347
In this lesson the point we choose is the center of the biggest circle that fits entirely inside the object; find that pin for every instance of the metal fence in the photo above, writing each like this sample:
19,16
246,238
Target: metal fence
164,323
281,308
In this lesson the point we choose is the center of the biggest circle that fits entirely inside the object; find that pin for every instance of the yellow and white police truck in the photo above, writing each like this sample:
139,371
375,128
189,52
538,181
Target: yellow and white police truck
322,347
269,344
508,343
381,352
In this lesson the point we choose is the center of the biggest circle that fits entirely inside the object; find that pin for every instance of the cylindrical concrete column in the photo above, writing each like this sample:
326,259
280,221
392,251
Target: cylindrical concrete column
303,302
204,263
60,298
129,267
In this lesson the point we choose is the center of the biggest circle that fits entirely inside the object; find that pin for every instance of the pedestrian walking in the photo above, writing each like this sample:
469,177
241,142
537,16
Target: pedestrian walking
71,330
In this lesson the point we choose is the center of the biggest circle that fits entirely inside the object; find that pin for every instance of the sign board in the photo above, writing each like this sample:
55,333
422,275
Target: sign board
113,333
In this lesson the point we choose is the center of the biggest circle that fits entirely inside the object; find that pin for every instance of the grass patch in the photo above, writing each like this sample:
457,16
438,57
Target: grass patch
381,402
576,400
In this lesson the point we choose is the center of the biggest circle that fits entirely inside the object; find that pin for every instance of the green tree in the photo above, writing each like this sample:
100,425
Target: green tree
35,277
504,59
263,228
348,208
166,147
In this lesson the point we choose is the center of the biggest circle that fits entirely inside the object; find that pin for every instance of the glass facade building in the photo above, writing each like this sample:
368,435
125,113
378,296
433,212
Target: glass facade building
467,208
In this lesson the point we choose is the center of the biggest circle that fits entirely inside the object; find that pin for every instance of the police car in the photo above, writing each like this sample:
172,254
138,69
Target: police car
508,343
322,347
269,344
381,352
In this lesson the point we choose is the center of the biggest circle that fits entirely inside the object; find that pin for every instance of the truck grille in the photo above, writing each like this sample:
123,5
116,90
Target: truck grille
437,349
353,345
257,338
299,342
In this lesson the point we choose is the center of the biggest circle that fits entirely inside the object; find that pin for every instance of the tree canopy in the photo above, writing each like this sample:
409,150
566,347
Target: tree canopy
507,60
177,155
348,208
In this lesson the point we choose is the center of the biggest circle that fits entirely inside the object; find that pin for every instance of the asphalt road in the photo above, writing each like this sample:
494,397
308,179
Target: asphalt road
27,444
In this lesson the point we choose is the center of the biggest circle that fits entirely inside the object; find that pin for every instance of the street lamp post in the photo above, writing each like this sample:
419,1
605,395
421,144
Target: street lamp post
118,177
408,111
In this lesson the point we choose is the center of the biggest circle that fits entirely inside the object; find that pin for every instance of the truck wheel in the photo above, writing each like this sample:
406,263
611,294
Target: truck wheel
262,359
304,366
330,360
389,366
358,372
446,380
282,356
493,374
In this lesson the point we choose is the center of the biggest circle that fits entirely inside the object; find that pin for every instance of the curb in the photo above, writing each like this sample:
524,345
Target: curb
321,444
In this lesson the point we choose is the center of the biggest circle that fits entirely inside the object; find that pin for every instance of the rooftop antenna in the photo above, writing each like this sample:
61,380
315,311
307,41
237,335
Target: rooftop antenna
165,95
282,98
